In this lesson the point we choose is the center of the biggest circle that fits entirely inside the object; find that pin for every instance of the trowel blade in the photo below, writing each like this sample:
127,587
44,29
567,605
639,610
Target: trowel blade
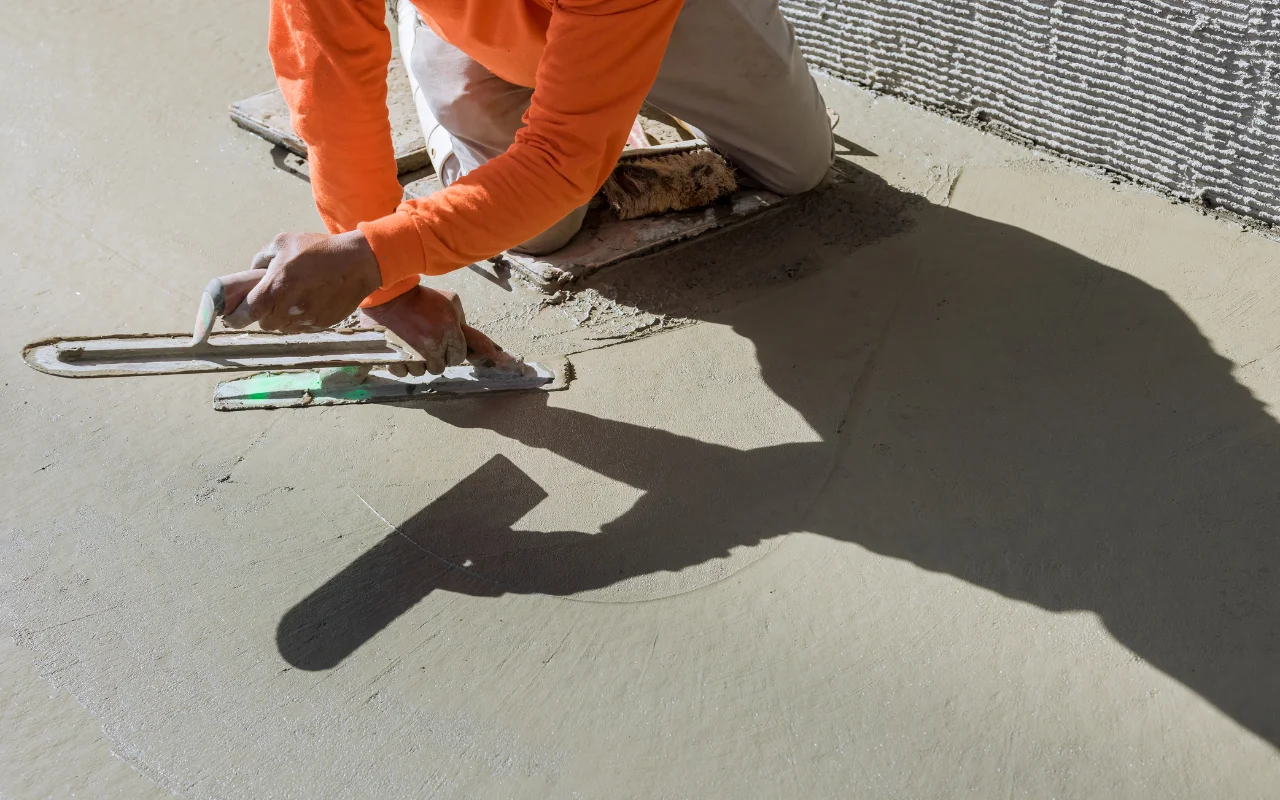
331,387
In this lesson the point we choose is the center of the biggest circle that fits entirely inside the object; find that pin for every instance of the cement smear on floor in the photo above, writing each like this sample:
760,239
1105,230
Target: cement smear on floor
972,496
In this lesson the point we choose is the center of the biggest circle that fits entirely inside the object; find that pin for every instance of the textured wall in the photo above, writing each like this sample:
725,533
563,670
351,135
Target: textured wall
1185,95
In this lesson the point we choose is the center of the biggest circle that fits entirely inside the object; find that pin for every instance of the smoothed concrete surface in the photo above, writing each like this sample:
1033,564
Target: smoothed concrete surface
957,484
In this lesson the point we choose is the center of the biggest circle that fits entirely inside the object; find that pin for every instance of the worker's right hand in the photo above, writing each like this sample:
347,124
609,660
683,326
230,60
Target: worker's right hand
312,281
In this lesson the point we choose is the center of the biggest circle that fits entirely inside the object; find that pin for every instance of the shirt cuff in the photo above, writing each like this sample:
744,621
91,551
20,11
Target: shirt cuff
396,244
389,293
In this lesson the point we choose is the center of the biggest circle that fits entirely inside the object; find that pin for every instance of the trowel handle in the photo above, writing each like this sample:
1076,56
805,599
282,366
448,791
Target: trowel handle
235,288
220,298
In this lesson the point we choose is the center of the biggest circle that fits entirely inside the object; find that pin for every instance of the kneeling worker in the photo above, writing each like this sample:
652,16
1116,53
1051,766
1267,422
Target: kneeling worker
527,105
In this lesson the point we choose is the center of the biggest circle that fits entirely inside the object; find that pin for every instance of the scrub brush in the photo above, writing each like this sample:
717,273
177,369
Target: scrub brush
668,177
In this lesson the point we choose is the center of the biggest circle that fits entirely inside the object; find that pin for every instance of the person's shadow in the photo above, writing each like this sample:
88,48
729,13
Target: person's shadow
991,405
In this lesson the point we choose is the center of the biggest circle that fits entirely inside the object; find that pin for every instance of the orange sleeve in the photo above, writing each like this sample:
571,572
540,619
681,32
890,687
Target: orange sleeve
600,61
330,58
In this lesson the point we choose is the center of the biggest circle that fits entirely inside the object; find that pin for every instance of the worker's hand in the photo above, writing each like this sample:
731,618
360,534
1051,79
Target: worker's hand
312,281
432,322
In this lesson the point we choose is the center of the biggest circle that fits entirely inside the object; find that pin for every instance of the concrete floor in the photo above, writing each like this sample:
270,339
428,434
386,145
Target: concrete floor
962,484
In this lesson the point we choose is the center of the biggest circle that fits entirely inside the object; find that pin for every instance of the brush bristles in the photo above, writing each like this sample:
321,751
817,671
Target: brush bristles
639,187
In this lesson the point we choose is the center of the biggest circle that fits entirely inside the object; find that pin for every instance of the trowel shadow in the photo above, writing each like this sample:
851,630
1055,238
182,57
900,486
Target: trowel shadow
393,575
848,148
1033,422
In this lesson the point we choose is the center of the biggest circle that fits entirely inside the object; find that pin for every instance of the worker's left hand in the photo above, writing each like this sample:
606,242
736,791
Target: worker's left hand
312,281
432,322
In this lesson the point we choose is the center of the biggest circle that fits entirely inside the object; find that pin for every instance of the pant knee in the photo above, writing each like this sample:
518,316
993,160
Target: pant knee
555,237
447,92
803,169
477,107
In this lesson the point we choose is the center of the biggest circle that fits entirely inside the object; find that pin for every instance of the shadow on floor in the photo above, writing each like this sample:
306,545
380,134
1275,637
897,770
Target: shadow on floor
1033,422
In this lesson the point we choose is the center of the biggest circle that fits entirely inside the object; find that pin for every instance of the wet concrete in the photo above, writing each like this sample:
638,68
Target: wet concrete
960,482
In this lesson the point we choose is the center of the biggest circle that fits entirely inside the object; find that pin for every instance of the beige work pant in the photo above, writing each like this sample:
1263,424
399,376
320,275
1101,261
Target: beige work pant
732,70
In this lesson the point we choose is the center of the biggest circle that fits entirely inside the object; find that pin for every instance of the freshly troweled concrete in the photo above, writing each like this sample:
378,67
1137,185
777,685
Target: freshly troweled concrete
962,484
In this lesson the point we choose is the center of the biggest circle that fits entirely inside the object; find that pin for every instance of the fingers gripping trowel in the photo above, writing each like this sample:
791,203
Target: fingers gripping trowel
341,366
220,296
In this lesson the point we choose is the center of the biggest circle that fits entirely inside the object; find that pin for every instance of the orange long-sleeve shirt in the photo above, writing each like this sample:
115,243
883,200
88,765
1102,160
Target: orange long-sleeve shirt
589,62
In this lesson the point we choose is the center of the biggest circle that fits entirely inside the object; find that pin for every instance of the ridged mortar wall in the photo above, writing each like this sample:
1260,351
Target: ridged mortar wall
1185,95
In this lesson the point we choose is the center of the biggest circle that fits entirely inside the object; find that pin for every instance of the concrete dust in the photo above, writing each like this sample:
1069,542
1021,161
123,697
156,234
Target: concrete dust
693,281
